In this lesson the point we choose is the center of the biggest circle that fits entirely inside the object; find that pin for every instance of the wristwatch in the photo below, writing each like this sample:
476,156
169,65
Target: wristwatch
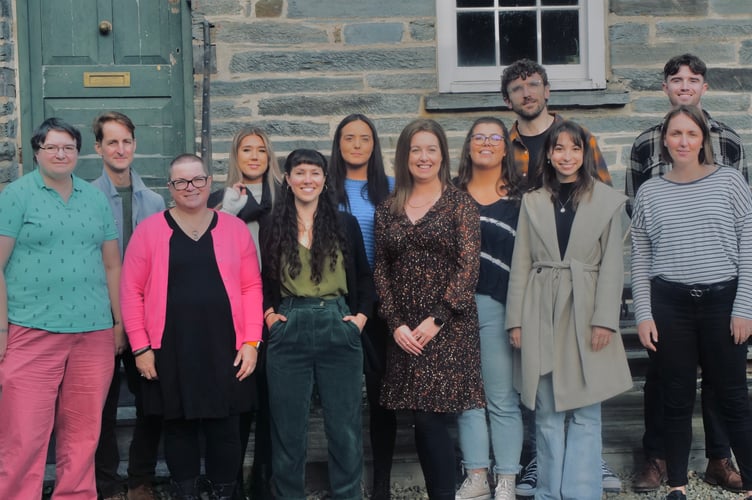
438,322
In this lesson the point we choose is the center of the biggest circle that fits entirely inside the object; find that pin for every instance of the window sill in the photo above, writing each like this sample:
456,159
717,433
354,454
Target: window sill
479,101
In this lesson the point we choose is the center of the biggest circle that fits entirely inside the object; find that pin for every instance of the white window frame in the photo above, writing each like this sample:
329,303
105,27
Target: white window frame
589,74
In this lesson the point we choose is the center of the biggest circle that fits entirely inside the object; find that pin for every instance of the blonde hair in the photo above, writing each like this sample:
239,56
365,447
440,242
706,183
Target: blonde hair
273,174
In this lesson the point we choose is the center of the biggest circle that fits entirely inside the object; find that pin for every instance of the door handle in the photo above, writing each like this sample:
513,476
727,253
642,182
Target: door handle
105,27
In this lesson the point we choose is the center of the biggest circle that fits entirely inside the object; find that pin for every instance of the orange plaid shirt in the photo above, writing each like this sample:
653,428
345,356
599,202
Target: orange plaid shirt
522,157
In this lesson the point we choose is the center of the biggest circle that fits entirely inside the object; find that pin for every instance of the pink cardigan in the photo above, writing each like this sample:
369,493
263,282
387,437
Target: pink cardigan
143,283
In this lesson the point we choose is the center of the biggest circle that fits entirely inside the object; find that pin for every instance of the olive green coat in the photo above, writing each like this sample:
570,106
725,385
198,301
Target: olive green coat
556,301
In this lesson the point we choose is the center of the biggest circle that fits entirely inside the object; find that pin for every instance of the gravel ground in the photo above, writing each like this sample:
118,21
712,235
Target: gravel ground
698,490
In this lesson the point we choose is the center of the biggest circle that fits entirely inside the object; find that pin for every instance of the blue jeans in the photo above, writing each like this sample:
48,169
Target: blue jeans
315,345
569,461
502,400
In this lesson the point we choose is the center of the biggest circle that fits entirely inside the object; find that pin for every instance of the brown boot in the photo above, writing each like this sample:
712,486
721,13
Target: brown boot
141,492
651,476
722,472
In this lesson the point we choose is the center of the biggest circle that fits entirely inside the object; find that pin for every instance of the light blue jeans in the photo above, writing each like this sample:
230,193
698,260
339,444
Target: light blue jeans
569,461
502,400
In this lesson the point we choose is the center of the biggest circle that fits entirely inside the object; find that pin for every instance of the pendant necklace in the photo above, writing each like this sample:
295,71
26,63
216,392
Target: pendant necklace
190,231
305,240
564,205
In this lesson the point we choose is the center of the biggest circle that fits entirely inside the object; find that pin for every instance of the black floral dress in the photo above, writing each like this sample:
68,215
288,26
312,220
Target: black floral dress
430,268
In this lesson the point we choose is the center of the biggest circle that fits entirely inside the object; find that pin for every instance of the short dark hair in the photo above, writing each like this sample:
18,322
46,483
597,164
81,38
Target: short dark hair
521,69
694,63
97,127
187,158
53,123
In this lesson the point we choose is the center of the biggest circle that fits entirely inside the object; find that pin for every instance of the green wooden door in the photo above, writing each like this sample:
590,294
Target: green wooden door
87,56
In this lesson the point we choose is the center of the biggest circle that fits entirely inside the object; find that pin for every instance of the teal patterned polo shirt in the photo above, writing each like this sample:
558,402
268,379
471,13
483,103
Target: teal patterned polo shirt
55,275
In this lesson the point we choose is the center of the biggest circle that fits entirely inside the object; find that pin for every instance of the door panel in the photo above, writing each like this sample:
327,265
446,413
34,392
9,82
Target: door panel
136,64
146,40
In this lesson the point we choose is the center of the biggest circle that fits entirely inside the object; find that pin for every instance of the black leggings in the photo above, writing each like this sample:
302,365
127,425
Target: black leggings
436,453
183,449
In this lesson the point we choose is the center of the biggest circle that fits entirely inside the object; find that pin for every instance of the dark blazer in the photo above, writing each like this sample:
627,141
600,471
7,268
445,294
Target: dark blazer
361,293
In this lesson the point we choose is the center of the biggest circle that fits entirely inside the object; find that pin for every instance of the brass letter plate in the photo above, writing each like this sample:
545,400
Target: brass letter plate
112,79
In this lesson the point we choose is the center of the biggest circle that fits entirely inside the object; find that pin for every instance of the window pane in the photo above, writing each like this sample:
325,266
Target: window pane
517,33
475,3
475,39
561,33
516,3
560,2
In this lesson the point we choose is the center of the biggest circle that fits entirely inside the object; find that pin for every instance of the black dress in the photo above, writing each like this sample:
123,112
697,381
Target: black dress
195,362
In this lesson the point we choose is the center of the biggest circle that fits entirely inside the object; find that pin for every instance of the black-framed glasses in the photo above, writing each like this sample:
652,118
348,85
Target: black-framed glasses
52,149
182,184
493,139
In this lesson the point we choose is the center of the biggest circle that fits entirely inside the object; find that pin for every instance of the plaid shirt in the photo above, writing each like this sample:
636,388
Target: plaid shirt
522,157
645,159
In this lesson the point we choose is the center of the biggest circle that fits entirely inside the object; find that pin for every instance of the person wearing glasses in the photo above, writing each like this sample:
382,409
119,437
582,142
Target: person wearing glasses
191,296
487,174
59,316
526,90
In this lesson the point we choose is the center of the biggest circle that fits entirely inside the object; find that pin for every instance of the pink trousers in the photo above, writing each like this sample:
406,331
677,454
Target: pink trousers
52,381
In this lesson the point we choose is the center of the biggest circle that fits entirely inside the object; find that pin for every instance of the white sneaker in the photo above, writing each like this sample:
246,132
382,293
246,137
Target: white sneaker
611,481
474,487
504,488
528,483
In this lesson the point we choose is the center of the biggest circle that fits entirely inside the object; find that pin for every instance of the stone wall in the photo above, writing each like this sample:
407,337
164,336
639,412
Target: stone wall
8,105
296,67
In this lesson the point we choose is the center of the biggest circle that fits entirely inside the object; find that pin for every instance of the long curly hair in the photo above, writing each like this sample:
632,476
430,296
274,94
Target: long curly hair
509,178
377,185
280,248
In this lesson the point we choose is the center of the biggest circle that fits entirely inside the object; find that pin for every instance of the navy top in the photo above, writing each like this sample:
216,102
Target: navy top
498,228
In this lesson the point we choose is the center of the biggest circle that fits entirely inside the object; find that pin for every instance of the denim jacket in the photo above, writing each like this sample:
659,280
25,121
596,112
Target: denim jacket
145,202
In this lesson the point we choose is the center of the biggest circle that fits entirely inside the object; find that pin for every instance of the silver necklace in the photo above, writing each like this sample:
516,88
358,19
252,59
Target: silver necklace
564,205
195,234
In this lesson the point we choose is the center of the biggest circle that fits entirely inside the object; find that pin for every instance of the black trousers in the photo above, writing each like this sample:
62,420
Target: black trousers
436,453
182,445
693,329
142,454
382,422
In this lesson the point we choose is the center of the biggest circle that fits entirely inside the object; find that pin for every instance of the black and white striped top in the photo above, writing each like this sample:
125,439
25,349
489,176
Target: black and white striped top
693,233
498,228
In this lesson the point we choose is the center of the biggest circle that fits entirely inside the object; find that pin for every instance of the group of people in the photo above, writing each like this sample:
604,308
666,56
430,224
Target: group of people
479,297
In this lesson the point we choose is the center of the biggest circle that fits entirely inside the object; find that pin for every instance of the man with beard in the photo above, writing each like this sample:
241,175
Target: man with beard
525,89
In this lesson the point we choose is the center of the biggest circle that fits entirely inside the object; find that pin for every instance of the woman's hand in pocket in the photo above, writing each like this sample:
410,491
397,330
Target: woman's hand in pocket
359,320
